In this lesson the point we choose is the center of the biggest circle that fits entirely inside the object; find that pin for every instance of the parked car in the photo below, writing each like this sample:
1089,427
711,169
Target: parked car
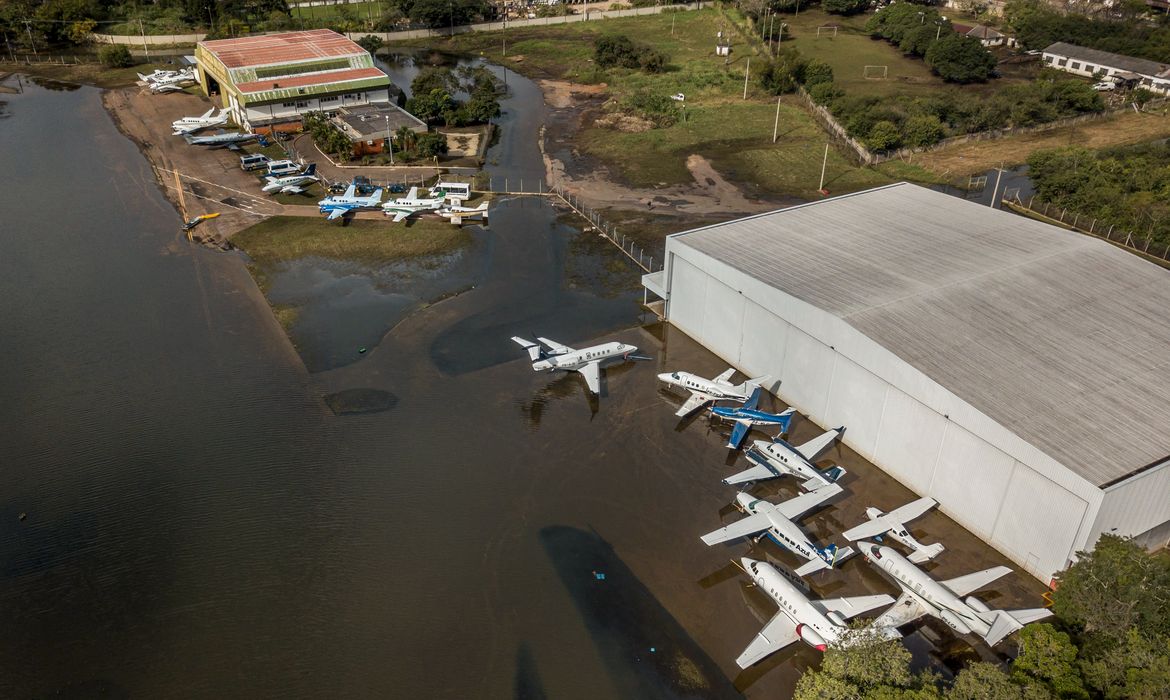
396,188
1104,86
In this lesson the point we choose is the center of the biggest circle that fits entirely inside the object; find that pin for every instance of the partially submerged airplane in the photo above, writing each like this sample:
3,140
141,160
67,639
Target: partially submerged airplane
748,416
817,623
340,205
550,356
779,458
704,391
776,520
894,523
229,139
411,204
922,595
290,184
456,214
209,119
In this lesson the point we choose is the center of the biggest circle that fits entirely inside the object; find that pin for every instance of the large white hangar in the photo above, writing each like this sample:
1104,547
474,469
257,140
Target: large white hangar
1016,372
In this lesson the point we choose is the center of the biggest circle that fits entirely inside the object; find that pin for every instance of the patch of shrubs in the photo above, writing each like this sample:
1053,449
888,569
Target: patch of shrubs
619,51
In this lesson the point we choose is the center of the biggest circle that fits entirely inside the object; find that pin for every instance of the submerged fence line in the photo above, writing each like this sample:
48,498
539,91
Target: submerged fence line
1138,243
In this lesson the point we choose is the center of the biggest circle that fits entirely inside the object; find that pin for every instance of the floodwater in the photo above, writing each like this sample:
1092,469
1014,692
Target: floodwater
182,513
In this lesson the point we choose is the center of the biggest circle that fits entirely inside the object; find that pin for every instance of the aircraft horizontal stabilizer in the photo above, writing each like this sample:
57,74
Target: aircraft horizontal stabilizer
1004,622
812,566
851,607
534,351
926,553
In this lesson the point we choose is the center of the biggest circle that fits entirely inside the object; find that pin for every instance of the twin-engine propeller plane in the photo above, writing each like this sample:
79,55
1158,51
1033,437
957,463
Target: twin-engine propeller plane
550,356
748,415
779,458
341,205
894,524
704,391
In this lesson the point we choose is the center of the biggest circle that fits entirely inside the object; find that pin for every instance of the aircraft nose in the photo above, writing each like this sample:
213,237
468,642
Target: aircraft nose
747,562
664,377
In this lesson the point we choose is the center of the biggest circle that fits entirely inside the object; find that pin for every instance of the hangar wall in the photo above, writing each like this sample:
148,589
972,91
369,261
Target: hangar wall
1138,507
986,478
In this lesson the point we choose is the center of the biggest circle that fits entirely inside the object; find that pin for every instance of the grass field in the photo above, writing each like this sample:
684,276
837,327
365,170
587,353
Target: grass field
282,238
84,73
361,10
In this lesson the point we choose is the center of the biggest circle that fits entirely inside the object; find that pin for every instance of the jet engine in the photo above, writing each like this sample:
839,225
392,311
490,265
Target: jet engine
954,621
811,637
976,604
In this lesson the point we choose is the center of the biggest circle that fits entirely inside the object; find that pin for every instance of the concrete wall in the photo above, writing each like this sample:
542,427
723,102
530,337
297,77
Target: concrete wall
984,476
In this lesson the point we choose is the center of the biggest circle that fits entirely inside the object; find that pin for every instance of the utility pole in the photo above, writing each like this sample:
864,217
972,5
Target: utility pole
776,124
746,71
9,45
771,26
824,164
995,190
672,18
28,28
142,32
389,140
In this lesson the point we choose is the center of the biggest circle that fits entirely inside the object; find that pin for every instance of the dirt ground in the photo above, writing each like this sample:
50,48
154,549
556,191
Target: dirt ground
569,104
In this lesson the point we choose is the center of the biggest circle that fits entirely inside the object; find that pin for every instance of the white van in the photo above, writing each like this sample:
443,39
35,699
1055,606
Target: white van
460,191
280,168
254,161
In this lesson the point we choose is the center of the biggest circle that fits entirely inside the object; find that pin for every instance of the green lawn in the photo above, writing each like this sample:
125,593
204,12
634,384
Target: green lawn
361,10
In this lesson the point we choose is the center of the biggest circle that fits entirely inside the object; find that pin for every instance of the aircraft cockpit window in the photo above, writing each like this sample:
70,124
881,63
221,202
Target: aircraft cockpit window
675,375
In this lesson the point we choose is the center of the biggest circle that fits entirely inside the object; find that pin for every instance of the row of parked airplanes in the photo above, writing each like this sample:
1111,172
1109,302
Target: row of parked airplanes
168,80
280,180
817,622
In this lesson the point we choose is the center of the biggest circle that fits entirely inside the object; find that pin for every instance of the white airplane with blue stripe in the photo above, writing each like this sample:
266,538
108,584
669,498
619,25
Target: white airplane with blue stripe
550,356
778,458
343,204
894,525
775,520
748,416
704,391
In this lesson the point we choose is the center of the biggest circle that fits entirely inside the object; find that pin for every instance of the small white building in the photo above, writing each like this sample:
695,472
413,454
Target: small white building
986,36
1014,371
1079,60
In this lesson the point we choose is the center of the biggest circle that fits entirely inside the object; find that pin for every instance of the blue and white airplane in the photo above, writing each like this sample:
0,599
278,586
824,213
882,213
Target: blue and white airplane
340,205
778,458
775,519
747,416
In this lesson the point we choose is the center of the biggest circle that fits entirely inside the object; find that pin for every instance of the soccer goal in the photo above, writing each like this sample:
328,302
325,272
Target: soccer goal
876,72
829,30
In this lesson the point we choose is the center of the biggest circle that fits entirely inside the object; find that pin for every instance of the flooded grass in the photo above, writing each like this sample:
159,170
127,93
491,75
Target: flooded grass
283,238
84,73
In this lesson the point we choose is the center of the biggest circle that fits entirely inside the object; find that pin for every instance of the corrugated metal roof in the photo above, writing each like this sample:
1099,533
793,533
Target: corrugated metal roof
269,49
1060,337
327,78
1105,59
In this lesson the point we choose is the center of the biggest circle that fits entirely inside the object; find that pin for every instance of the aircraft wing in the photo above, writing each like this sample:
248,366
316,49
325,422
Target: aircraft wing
694,403
592,374
556,347
725,377
399,216
815,447
911,510
898,516
777,634
741,528
963,585
905,610
738,433
794,508
335,214
870,528
850,607
292,189
760,471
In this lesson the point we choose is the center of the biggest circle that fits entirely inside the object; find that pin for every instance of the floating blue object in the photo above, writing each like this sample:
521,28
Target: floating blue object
653,649
598,575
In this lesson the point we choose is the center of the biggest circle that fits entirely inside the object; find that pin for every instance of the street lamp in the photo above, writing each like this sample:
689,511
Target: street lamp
939,22
389,140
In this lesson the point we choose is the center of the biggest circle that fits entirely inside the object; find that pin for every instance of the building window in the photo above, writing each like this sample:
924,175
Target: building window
1062,62
1090,68
1048,59
1075,65
302,105
331,98
288,104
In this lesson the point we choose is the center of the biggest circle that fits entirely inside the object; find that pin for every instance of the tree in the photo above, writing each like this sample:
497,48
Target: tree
923,130
781,75
430,106
960,59
80,32
845,7
983,681
817,72
438,14
1049,656
430,144
434,78
616,50
370,42
883,136
115,56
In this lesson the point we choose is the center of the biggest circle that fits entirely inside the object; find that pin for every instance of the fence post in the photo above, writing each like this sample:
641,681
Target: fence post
1092,225
1110,231
1062,211
1128,237
1030,200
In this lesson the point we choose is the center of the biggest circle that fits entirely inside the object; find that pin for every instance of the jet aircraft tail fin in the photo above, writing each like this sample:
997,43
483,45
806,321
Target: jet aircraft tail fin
750,384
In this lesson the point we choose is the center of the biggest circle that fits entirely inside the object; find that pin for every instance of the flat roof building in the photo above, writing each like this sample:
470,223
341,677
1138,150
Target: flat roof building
1080,60
1014,371
271,79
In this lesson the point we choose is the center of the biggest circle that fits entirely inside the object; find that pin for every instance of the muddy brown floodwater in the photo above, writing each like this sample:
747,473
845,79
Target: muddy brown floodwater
204,518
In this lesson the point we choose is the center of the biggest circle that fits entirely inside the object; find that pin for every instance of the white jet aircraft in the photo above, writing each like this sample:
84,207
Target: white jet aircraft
339,205
776,520
456,214
704,391
290,184
778,458
894,523
209,119
817,623
411,204
549,355
922,595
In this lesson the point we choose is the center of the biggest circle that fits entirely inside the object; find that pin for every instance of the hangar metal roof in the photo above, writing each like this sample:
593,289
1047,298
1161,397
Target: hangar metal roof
289,47
1060,337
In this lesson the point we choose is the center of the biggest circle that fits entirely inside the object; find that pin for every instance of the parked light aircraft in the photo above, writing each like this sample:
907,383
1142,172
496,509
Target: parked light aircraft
171,87
291,184
230,140
894,523
189,125
456,214
411,204
776,520
778,458
817,623
549,355
748,415
168,77
922,595
704,391
338,206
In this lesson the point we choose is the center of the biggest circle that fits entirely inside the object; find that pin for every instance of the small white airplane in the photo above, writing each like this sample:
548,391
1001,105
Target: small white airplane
189,125
456,214
405,207
775,519
338,206
894,523
779,458
704,391
290,184
549,355
922,595
167,80
817,623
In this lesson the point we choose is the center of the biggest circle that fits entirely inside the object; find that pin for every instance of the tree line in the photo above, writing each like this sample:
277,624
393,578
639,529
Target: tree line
1129,28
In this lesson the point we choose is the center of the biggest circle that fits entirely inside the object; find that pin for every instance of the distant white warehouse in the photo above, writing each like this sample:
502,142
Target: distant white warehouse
1134,72
1016,372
